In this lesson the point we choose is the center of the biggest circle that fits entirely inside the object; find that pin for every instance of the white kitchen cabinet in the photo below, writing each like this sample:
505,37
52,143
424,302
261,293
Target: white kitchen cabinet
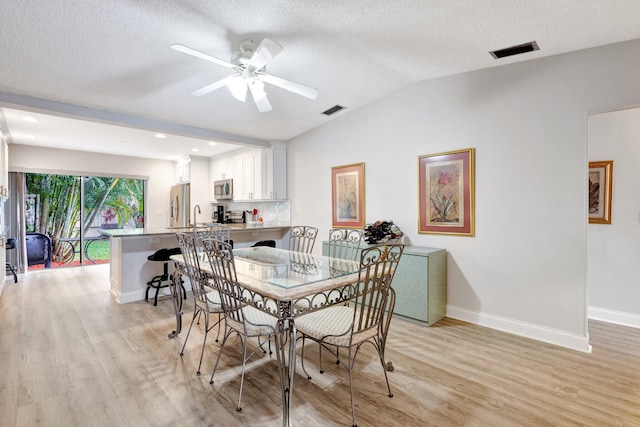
220,168
251,176
258,174
274,167
183,170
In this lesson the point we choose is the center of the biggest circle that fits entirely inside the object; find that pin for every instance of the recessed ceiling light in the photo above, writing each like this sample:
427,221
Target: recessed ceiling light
29,119
195,150
29,136
213,143
160,135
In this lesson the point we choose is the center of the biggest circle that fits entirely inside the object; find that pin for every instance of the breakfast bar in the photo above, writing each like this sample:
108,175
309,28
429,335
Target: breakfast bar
130,270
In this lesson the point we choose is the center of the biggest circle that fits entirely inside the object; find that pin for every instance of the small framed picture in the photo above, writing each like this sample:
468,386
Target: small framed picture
600,186
446,193
347,196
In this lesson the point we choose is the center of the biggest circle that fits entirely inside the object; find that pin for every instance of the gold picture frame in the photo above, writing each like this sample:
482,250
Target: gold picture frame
347,196
599,187
446,187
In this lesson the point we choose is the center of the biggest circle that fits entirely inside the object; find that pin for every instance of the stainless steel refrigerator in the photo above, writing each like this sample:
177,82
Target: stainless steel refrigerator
180,205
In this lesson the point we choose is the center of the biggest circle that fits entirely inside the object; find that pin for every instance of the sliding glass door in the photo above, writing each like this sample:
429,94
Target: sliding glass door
54,217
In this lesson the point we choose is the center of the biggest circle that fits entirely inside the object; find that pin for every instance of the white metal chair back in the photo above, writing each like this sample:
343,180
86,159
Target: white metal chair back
302,238
221,232
189,247
377,267
344,243
364,319
206,297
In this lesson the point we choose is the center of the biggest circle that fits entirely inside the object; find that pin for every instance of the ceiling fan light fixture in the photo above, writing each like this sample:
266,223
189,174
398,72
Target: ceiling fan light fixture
257,89
238,88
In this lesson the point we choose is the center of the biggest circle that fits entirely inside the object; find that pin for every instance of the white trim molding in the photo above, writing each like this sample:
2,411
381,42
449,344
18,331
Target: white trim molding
612,316
523,329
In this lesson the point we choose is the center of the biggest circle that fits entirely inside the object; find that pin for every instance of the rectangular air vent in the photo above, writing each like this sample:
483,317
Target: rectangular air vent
333,110
515,50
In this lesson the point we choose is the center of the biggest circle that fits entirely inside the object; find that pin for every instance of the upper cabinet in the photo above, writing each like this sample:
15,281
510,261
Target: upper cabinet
251,182
274,167
258,174
183,170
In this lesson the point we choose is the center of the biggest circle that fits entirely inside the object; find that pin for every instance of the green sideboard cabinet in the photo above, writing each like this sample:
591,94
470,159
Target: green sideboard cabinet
420,283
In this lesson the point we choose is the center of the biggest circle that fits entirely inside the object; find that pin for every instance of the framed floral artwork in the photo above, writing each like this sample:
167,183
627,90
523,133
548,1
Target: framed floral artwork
347,196
447,193
599,187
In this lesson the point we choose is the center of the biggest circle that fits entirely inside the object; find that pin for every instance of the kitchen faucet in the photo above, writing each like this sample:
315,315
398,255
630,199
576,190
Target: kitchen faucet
196,207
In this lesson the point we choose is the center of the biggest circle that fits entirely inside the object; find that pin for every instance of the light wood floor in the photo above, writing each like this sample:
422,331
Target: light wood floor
71,356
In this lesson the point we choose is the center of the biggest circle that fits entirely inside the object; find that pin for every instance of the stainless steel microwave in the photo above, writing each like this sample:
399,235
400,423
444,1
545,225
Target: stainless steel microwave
223,189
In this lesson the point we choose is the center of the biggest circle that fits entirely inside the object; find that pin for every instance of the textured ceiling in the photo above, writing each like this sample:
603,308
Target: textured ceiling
111,62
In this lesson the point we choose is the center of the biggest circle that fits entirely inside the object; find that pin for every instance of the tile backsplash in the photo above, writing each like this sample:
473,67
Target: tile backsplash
272,213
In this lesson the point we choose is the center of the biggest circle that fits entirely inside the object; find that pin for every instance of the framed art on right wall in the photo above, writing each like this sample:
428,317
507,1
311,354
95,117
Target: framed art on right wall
600,187
446,193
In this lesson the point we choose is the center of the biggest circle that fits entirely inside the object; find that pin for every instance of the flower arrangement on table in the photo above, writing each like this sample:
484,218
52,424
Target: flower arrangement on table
382,232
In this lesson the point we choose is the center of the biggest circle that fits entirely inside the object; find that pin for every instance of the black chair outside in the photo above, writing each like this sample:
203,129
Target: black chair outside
162,280
38,249
10,245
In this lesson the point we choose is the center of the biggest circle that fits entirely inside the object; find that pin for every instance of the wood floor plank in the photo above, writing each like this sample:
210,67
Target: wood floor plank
71,356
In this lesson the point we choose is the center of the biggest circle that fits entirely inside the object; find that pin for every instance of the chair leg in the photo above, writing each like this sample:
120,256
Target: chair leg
302,359
195,313
204,341
13,271
244,362
226,335
350,363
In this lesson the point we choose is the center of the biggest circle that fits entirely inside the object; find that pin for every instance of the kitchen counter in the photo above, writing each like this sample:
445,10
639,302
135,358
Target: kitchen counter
130,270
235,228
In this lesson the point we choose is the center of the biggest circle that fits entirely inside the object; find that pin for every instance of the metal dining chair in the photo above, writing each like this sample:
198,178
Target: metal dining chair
240,318
205,294
344,243
302,238
364,318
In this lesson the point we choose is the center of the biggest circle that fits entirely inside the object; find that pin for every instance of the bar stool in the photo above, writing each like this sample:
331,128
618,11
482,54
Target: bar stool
11,244
269,243
163,280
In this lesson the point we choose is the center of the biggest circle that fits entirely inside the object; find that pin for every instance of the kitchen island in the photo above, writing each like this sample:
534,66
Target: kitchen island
130,270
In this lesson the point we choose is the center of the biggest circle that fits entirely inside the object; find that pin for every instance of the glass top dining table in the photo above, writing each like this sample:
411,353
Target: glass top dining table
284,284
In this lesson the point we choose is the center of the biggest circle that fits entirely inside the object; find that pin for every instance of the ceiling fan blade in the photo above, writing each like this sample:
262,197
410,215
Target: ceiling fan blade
198,54
267,50
259,96
300,89
213,86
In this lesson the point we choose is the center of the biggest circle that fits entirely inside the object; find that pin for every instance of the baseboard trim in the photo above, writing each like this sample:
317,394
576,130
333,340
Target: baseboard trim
523,329
612,316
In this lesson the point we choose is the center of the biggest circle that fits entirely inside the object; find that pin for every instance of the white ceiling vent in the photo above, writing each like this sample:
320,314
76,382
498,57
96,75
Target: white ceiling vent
515,50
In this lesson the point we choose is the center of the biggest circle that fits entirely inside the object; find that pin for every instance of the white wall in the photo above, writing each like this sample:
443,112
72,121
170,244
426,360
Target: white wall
161,173
525,270
614,249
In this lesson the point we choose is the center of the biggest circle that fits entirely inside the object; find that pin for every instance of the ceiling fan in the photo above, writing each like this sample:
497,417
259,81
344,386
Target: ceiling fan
249,64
